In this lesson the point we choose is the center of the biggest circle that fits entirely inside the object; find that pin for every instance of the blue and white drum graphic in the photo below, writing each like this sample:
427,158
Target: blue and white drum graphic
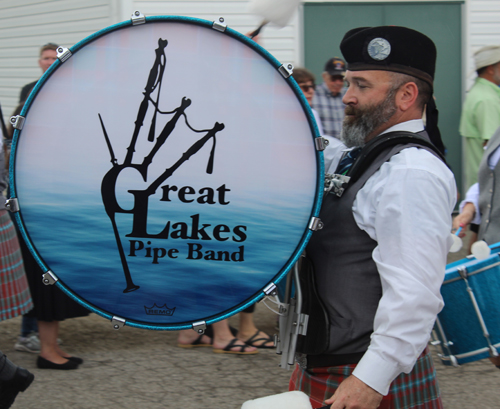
166,172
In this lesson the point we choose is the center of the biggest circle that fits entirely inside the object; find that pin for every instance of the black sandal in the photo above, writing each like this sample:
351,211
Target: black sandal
262,341
229,348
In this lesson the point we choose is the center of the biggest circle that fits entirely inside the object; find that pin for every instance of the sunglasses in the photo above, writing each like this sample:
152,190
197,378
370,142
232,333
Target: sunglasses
336,78
306,88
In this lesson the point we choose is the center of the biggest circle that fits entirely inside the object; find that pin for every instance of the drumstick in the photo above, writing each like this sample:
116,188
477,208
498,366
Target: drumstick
480,250
457,241
257,31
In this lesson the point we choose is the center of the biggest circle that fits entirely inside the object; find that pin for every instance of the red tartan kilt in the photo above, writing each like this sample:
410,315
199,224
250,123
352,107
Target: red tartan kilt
14,291
416,390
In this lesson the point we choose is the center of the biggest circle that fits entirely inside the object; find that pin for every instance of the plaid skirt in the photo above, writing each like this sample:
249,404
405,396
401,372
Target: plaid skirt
15,298
417,390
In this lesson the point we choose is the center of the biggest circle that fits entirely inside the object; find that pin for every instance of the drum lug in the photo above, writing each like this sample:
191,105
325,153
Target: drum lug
117,322
462,270
12,205
286,70
321,143
49,278
315,224
270,289
17,121
137,18
219,25
200,327
63,54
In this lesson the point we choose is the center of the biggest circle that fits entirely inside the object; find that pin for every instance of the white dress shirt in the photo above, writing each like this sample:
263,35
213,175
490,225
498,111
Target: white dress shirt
318,121
406,208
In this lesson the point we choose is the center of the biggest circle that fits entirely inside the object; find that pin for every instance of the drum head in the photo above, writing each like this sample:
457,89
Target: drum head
166,172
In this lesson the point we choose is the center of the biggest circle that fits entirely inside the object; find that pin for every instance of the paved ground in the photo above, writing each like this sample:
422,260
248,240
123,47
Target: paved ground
140,369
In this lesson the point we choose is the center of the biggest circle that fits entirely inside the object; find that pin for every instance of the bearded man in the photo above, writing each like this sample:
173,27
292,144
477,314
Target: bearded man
379,261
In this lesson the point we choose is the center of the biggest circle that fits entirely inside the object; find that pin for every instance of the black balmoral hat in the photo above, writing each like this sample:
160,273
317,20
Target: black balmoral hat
390,48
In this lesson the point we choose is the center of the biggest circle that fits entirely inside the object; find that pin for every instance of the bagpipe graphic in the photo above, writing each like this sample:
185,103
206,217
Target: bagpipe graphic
140,208
214,183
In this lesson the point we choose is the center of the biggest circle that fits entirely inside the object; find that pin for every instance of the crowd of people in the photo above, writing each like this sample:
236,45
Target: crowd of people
392,197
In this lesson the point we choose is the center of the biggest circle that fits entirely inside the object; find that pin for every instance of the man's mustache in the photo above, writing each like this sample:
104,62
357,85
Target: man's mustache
349,110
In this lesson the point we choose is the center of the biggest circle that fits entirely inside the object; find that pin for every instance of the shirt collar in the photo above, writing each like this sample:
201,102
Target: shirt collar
489,84
414,125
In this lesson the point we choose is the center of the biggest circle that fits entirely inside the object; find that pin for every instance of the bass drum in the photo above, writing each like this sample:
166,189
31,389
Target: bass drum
166,173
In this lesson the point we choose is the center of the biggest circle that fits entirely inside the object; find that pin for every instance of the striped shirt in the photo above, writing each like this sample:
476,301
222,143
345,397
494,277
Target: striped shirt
330,109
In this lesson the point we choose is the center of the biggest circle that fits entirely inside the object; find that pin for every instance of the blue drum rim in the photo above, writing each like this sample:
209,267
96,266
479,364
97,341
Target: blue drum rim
481,270
298,93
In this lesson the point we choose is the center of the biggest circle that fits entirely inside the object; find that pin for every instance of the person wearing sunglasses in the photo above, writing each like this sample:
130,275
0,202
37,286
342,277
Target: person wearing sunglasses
328,97
306,81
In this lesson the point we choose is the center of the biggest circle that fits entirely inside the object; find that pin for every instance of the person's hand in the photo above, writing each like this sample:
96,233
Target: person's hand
354,394
463,219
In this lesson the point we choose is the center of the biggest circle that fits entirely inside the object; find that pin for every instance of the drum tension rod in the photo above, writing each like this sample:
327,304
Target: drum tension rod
137,18
49,278
271,289
315,224
117,322
12,205
321,143
286,71
17,121
219,25
486,334
200,327
63,54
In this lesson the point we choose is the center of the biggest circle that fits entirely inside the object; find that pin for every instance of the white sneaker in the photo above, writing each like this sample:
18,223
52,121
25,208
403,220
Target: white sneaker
31,343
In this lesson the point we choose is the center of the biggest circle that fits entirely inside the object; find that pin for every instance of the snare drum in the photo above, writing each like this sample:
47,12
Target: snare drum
166,173
468,327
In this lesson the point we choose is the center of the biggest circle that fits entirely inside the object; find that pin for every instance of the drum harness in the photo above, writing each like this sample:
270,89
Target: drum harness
295,311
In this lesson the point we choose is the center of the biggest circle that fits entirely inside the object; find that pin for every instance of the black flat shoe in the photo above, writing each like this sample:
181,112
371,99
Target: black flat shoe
9,389
43,363
79,361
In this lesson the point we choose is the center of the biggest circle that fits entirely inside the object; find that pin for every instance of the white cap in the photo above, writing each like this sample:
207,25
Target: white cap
486,56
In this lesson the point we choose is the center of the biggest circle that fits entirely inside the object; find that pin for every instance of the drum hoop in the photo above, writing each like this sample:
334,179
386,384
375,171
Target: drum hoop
469,354
275,64
451,280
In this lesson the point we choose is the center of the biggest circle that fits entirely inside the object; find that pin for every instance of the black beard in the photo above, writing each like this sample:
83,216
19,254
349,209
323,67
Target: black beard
366,120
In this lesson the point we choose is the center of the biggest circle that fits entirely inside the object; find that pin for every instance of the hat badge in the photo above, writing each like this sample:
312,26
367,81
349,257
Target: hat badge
379,49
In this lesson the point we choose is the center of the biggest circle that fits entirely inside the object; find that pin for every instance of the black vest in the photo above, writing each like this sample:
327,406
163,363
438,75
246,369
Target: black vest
346,277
